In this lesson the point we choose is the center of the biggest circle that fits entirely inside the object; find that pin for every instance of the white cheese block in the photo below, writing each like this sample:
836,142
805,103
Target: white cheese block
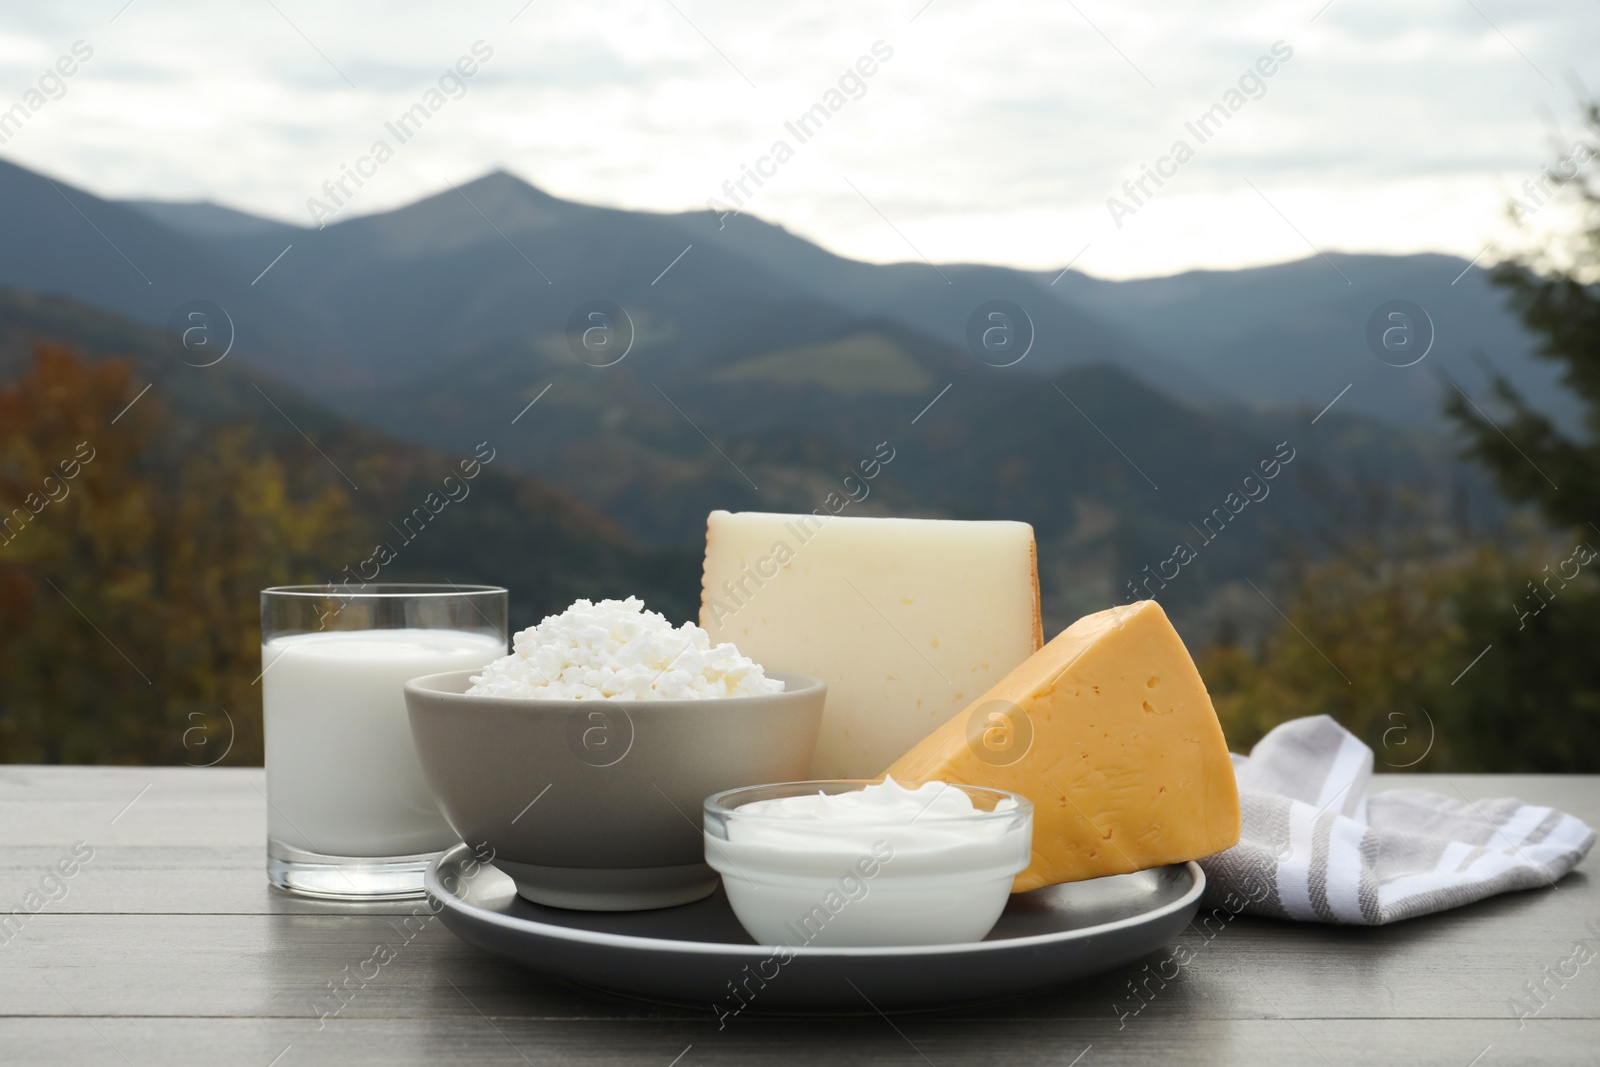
907,620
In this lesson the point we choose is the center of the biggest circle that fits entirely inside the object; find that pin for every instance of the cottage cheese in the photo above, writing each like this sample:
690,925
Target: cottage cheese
615,650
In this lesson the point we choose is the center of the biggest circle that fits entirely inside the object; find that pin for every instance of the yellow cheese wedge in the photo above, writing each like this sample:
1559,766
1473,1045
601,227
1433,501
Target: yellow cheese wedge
1109,730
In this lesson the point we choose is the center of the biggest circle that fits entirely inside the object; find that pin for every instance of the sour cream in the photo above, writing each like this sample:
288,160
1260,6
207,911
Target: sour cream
849,863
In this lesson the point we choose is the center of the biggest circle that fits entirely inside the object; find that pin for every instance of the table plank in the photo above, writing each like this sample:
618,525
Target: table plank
1467,964
169,946
911,1042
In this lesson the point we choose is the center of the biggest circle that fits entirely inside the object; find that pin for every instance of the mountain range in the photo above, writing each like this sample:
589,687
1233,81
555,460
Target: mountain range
761,371
505,531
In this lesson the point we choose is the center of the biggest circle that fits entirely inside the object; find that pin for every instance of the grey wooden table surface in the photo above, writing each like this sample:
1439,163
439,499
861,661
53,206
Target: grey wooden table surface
167,947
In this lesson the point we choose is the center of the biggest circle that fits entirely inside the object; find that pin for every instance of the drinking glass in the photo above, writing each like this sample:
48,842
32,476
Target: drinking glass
349,814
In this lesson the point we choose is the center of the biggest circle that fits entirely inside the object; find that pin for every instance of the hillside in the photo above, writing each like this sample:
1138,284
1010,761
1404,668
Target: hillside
1112,473
541,542
761,369
55,238
499,261
1294,333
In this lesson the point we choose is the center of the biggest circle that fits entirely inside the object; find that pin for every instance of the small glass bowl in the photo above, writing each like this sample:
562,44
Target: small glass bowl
866,881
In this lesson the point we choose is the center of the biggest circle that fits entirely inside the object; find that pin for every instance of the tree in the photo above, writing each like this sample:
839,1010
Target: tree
1426,657
1537,701
1555,292
1467,658
131,555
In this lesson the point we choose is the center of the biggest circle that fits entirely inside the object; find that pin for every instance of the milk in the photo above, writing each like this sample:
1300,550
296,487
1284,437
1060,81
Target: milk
343,777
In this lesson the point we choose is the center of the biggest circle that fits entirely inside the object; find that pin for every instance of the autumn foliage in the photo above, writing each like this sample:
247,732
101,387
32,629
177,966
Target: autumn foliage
131,555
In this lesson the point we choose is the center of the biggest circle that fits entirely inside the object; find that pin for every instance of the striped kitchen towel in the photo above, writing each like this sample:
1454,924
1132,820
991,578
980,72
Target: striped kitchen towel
1315,846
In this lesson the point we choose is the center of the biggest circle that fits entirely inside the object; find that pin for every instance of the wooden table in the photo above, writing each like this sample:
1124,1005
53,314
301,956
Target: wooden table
168,948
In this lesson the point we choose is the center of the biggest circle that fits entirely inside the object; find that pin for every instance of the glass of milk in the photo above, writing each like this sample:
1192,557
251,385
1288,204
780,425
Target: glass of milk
349,815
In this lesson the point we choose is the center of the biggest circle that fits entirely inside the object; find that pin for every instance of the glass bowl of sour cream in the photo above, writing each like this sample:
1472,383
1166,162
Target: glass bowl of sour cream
852,863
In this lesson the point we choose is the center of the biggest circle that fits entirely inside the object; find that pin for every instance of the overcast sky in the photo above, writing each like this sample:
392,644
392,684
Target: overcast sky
993,132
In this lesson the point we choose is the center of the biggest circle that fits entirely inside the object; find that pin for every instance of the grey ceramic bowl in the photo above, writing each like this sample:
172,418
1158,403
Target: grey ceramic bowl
595,805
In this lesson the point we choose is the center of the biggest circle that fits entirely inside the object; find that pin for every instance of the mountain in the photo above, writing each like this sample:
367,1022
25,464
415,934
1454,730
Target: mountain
941,300
541,542
205,219
738,365
1113,473
1291,334
60,239
1295,333
497,261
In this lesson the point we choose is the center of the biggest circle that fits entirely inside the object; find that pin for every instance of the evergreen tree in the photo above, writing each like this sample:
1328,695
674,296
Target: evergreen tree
1534,702
1468,658
1555,292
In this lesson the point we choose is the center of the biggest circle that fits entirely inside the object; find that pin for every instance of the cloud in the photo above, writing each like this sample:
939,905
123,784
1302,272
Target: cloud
996,134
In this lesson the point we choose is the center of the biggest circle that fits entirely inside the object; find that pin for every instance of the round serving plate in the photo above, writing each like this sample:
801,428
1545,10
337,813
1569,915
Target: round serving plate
699,954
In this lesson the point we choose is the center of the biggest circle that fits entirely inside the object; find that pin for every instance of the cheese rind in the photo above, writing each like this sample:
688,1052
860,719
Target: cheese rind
905,619
1126,765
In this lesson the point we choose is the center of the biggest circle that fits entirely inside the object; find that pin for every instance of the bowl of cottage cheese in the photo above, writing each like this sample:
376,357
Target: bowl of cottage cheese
579,762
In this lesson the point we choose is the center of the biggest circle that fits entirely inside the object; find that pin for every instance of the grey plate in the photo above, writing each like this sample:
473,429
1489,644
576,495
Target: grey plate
691,954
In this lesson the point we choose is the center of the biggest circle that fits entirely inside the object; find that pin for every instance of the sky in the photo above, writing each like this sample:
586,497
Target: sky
958,131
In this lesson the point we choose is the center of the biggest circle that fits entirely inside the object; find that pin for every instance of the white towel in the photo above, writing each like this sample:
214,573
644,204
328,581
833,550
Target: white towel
1316,846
